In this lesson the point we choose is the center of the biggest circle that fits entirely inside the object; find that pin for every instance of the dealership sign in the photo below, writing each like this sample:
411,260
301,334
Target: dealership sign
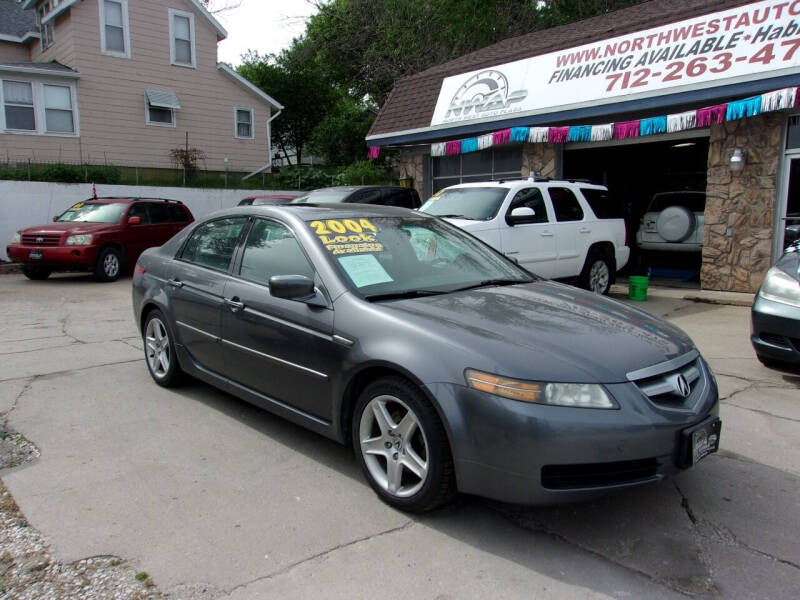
749,42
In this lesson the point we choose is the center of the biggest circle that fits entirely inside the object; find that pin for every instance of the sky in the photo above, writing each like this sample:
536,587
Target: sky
264,25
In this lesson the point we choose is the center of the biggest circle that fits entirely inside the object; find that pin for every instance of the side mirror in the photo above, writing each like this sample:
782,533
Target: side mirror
134,220
520,214
296,287
55,219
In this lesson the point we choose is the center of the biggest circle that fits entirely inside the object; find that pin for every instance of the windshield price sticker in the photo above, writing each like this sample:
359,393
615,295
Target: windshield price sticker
347,236
76,206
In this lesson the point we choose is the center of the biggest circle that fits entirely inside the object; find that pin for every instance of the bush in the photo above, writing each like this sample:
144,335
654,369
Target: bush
363,172
102,174
62,173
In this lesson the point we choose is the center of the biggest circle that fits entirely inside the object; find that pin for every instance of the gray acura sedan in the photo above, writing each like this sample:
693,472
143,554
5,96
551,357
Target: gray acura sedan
447,366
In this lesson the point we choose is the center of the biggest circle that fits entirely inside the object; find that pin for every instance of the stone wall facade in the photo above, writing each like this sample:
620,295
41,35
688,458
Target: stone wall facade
539,158
412,164
739,214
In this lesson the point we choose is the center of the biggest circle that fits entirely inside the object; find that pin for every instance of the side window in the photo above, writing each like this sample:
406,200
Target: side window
271,249
178,213
530,198
368,196
565,204
159,212
603,204
397,198
212,244
139,210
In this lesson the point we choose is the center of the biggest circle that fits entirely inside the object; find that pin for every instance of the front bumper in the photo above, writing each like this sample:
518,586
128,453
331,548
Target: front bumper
775,331
536,454
54,257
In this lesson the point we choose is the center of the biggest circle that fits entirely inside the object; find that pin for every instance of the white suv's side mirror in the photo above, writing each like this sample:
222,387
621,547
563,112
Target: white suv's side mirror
521,214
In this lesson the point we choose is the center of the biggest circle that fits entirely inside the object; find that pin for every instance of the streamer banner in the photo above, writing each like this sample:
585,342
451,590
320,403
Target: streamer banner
681,121
602,133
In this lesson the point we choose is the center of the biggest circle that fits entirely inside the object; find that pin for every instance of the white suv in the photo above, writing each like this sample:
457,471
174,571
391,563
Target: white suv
673,221
556,229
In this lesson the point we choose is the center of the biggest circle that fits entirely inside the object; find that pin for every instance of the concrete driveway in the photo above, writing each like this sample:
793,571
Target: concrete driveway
216,499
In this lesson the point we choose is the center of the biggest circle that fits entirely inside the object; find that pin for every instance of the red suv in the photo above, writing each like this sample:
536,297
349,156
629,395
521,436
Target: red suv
101,235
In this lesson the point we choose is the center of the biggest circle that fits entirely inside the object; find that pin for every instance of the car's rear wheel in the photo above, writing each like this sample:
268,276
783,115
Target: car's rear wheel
597,272
108,265
159,350
402,446
36,273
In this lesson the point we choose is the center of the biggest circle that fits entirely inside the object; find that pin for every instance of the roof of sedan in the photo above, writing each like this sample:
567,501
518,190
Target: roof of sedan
329,210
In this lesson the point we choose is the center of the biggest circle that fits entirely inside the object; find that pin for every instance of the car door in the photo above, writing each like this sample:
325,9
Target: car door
196,284
530,240
278,347
136,235
162,225
567,229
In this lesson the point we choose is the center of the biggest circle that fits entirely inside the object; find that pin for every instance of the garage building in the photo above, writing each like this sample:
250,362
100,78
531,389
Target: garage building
663,96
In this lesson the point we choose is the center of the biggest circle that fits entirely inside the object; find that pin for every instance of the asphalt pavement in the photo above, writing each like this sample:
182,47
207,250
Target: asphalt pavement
214,498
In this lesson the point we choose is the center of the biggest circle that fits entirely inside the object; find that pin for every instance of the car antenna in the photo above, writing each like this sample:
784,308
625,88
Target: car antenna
532,176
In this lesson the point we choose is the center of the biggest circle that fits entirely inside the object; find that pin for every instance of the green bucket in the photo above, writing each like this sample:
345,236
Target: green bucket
637,287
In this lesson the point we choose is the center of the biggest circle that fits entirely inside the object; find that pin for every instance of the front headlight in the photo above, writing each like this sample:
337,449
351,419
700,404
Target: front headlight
16,238
780,287
578,395
80,240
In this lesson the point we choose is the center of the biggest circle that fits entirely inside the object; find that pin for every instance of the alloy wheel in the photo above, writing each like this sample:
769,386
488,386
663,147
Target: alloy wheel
599,277
111,265
394,446
158,348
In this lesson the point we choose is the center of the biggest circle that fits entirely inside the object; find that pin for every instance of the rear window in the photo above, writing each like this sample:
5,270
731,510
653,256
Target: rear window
694,201
603,205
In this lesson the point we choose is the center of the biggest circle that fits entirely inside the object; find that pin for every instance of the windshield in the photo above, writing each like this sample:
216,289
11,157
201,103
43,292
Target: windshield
322,197
94,212
476,203
383,257
694,201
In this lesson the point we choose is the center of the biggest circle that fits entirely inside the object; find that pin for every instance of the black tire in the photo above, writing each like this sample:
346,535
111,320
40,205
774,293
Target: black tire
109,265
438,485
36,273
154,346
598,272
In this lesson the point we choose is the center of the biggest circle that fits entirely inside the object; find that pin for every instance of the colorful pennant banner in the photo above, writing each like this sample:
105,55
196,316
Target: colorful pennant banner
703,117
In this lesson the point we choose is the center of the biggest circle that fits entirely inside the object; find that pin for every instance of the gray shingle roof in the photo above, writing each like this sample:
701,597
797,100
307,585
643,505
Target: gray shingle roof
14,20
411,102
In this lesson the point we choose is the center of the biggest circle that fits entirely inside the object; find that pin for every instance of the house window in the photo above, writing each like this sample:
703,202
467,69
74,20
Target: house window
58,109
161,107
45,29
18,104
114,29
244,123
43,108
181,34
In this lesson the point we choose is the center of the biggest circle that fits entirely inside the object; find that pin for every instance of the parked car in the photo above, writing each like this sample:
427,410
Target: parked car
775,315
102,235
557,229
446,365
282,198
384,195
673,221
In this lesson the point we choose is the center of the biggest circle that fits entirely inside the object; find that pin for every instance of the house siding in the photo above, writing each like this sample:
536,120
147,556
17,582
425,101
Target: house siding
63,48
112,105
14,52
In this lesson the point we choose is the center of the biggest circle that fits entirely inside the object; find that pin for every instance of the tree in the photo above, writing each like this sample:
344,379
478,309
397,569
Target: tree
297,81
339,137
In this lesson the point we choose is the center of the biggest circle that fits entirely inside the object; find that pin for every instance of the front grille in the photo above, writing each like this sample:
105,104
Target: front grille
564,477
41,239
673,384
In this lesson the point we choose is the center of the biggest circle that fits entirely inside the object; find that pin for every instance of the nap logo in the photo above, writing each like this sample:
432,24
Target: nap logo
482,93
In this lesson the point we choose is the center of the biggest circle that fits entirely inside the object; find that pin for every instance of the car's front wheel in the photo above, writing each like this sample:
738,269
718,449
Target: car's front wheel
402,446
159,350
108,265
35,273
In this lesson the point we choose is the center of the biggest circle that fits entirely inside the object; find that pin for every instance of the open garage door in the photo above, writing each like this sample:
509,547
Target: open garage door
661,186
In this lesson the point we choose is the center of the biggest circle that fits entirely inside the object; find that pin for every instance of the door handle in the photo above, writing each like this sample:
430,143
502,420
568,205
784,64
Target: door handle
234,304
546,234
585,230
175,283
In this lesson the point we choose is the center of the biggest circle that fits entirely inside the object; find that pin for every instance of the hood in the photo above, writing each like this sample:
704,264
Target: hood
73,227
547,331
469,224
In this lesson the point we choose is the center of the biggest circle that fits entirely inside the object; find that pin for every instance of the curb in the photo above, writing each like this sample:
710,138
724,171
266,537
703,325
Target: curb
747,302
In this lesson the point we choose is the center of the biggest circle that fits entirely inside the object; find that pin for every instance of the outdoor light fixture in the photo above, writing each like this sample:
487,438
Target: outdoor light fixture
736,163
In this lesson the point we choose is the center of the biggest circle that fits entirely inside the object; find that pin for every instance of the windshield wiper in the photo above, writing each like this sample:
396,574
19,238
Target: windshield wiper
405,294
492,283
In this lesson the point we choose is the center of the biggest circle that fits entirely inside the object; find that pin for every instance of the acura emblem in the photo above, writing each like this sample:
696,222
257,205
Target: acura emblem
682,386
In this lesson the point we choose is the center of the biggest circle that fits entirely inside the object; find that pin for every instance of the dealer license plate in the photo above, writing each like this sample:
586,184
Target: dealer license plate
701,440
35,255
